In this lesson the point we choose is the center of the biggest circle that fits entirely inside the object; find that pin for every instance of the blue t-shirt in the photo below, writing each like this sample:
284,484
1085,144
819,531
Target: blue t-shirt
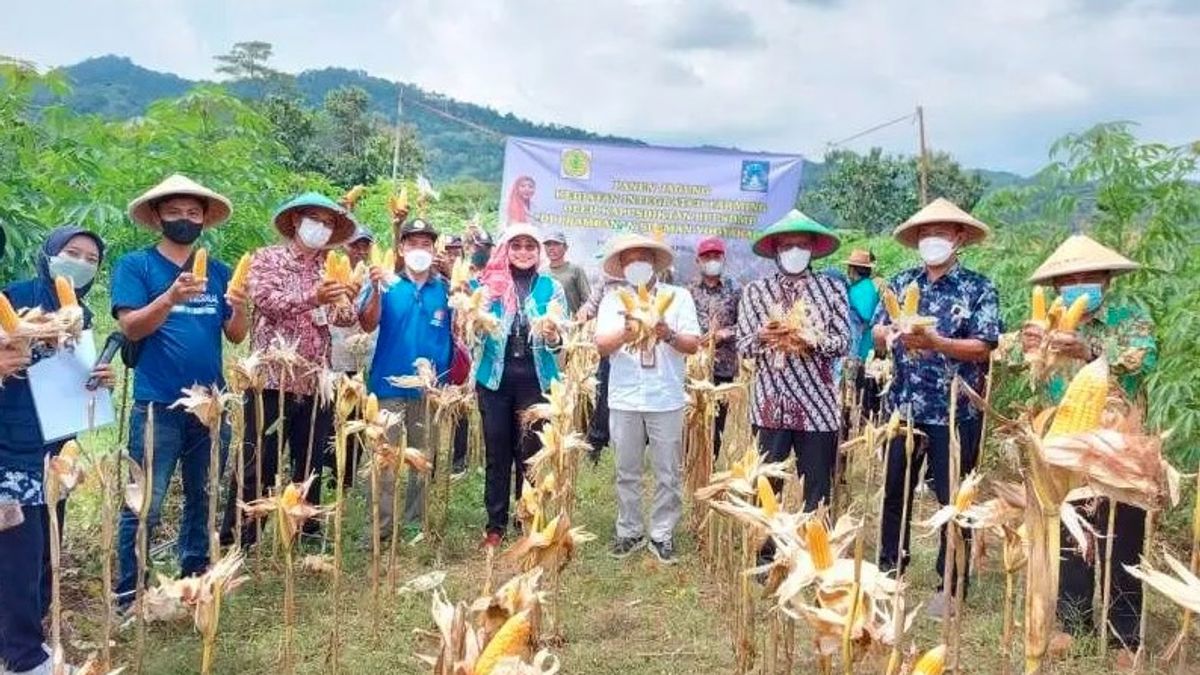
186,348
414,323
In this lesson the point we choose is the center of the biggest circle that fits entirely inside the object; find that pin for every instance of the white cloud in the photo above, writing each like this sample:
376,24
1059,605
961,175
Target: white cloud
999,79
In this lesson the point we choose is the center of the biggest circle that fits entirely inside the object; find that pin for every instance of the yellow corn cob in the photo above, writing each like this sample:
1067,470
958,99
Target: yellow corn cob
389,260
241,273
932,662
291,496
627,300
892,304
766,497
1037,304
371,409
912,299
817,538
548,530
1083,403
1070,320
70,450
662,302
965,497
200,265
66,292
511,640
350,199
549,483
9,319
643,293
1054,314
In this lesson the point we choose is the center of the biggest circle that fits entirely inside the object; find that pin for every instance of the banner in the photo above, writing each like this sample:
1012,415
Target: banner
592,191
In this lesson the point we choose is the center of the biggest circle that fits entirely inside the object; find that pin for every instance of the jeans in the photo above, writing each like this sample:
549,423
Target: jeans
507,443
936,446
629,430
1077,576
25,587
816,454
179,439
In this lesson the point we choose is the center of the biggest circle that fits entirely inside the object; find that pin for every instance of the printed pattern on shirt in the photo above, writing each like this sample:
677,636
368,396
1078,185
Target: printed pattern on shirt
719,303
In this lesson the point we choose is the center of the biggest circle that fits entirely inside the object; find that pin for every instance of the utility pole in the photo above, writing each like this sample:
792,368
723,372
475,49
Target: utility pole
399,116
923,160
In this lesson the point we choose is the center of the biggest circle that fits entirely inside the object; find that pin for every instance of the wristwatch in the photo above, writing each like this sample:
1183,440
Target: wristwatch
670,339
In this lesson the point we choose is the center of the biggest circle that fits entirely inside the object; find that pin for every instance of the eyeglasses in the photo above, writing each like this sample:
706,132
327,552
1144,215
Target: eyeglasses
523,245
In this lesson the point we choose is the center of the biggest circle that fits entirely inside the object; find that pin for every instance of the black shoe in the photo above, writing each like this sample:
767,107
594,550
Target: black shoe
664,551
623,547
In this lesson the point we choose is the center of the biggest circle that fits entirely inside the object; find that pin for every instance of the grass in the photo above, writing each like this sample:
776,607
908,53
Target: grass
629,617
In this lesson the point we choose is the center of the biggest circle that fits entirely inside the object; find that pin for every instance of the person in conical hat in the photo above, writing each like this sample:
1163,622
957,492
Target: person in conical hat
957,327
177,318
1124,334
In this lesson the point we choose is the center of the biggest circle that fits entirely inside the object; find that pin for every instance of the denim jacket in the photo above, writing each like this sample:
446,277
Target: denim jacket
545,358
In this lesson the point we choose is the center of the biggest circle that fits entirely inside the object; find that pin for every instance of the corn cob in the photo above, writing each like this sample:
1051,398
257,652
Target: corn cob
912,299
1054,314
932,662
766,497
389,260
371,409
66,292
10,321
1070,320
350,199
627,299
892,304
1037,304
966,496
200,265
817,538
662,301
241,273
1083,403
511,640
643,293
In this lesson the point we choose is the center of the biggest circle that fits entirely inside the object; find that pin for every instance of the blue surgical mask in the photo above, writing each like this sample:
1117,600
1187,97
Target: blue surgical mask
1095,293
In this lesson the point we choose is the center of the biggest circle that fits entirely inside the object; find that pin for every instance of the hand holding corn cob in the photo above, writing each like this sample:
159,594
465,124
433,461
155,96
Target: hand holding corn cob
792,331
643,313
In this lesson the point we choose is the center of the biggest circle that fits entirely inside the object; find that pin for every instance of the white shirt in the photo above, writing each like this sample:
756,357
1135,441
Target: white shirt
633,388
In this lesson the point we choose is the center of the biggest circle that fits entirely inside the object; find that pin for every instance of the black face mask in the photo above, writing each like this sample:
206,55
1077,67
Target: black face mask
181,231
480,258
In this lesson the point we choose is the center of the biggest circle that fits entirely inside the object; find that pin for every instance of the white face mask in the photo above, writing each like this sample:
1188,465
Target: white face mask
639,273
794,260
935,250
712,268
418,261
313,233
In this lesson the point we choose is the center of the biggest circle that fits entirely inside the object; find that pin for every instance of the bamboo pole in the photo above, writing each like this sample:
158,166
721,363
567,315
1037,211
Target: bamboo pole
1106,588
143,552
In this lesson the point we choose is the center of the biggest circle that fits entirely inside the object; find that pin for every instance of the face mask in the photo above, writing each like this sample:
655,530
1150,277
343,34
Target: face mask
80,272
712,268
313,233
1095,293
418,261
935,250
639,273
794,260
181,231
479,259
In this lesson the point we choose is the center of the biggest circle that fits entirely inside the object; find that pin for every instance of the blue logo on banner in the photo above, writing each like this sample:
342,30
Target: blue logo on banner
754,175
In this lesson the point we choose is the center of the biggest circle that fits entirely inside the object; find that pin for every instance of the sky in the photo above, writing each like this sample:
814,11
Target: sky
999,80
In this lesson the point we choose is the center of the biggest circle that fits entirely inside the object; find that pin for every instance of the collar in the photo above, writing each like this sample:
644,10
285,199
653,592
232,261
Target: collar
950,273
301,252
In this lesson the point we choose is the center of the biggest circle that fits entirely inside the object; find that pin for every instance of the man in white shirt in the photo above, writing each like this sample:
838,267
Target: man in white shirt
646,396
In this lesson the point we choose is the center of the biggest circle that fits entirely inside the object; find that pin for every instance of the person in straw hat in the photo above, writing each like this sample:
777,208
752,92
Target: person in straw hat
796,405
646,395
1124,334
961,327
178,321
863,295
295,306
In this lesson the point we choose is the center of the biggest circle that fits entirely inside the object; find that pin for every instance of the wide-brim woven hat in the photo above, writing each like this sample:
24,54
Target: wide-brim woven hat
141,210
860,257
796,222
940,210
1081,253
344,225
663,257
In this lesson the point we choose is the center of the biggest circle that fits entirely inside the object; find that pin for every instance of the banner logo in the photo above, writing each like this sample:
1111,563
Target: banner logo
575,163
755,175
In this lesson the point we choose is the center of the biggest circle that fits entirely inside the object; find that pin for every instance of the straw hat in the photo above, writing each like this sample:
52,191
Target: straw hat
663,257
1081,253
796,223
344,225
860,257
940,210
216,210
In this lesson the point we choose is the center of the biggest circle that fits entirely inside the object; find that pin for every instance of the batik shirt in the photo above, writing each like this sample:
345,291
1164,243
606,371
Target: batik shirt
719,303
284,280
795,392
1124,335
966,307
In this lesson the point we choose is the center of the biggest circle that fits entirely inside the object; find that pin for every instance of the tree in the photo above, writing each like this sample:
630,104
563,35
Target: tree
356,145
247,61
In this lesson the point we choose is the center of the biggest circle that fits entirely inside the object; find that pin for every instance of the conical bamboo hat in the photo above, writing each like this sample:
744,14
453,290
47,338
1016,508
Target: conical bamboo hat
1081,253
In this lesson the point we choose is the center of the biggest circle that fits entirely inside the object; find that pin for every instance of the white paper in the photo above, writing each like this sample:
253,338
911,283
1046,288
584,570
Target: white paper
60,394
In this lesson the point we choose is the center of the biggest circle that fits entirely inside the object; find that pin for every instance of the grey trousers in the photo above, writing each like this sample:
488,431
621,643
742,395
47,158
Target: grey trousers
628,431
413,410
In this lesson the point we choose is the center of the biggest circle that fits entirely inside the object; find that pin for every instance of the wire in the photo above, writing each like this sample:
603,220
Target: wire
468,123
872,130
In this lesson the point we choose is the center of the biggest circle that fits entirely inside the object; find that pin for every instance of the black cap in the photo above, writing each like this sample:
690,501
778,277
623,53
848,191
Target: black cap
453,241
482,238
417,226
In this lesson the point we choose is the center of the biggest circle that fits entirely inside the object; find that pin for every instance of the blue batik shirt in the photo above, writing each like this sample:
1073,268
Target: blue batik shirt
966,306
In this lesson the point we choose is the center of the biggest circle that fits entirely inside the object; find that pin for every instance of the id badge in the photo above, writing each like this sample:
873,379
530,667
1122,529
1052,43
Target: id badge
649,357
320,317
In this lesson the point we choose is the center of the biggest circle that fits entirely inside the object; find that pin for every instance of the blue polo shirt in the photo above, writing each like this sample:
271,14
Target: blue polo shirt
414,323
186,348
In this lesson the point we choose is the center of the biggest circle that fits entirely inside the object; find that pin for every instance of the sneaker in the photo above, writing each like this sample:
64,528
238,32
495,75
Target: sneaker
938,606
623,547
664,551
490,540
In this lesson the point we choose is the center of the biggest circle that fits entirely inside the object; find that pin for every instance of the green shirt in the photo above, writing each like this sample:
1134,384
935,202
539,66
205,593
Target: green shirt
1124,335
575,284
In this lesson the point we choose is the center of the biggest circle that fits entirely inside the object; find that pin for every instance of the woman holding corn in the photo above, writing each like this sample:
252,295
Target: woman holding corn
1081,271
74,254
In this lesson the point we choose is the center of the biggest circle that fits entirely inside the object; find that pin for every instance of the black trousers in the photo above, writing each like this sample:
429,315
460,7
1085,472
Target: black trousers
1077,580
597,433
461,431
867,389
936,448
506,443
297,419
816,453
25,587
722,411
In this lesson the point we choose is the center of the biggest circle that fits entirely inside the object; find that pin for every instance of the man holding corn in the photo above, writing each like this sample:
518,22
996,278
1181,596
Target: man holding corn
948,327
1081,271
